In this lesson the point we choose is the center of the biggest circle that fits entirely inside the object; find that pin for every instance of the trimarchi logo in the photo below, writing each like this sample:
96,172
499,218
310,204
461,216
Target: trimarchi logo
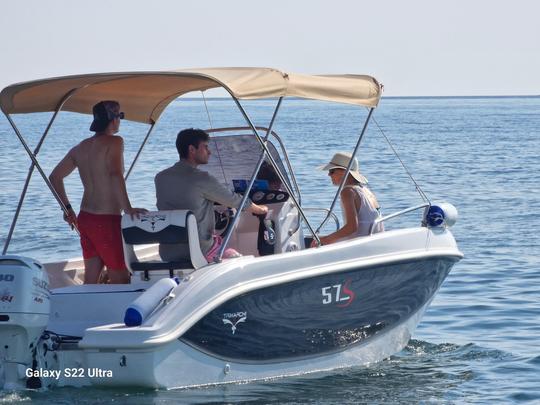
234,319
152,219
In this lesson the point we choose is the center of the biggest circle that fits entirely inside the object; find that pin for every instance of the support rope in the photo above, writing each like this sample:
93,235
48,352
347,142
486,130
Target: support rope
418,188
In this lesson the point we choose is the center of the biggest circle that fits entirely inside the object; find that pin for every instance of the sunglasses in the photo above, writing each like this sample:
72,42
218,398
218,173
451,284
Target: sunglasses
120,115
332,171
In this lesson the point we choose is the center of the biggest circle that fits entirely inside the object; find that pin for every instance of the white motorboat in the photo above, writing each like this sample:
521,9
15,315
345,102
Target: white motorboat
280,309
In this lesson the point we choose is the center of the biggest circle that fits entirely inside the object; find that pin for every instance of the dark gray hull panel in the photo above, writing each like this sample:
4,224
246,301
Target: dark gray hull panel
319,315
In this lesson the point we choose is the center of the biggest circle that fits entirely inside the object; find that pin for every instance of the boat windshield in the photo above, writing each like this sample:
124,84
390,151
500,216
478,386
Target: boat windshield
234,157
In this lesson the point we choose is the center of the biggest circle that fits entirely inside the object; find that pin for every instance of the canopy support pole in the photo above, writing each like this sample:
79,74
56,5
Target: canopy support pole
278,171
253,177
344,179
32,165
36,164
140,150
266,152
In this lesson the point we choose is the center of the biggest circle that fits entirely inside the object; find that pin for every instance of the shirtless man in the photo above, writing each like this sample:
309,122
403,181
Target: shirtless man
101,168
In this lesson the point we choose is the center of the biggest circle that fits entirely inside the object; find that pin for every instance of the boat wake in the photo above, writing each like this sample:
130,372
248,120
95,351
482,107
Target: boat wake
423,371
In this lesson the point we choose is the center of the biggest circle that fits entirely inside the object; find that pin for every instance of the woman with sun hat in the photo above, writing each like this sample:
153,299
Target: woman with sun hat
359,204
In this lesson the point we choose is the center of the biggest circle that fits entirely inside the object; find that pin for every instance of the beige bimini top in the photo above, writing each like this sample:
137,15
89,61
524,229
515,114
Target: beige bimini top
144,95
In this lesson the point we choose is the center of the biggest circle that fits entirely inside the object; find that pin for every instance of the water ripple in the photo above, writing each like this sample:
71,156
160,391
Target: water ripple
480,154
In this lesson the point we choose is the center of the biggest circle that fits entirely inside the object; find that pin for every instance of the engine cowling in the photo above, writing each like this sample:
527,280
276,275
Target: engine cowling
24,315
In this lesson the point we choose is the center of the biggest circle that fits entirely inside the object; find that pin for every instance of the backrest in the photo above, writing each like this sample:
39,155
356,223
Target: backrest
164,227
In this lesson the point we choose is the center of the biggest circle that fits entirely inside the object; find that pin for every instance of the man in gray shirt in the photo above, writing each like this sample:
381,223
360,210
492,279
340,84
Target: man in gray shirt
184,186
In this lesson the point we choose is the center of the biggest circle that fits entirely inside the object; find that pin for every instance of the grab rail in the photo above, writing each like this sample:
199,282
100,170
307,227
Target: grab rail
326,211
396,214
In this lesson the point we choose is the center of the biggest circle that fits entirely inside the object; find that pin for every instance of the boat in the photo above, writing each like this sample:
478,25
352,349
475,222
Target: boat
282,308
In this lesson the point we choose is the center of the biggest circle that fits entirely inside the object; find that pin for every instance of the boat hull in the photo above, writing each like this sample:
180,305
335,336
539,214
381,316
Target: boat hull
179,365
249,318
318,315
280,336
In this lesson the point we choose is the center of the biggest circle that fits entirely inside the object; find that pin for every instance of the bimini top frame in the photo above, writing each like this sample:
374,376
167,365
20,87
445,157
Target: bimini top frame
144,96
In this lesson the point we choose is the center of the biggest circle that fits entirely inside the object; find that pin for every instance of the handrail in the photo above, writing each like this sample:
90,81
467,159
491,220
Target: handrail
326,210
396,214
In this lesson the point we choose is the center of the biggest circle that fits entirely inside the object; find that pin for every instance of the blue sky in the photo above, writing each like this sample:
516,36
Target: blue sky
416,47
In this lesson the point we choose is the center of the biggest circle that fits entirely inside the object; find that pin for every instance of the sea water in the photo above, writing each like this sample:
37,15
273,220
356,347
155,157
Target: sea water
479,341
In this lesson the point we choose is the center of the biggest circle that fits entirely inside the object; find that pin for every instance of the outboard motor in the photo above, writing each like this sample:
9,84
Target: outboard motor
24,314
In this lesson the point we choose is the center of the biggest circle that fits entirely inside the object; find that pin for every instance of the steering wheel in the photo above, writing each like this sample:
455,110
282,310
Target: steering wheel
223,219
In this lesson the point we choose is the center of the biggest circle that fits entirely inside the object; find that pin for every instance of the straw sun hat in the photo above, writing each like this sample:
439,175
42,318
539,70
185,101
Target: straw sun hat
340,161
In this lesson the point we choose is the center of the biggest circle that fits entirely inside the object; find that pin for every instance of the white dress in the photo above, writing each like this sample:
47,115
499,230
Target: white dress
366,214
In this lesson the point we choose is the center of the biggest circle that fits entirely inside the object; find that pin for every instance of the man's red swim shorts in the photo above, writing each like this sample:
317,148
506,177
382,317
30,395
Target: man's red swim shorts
100,236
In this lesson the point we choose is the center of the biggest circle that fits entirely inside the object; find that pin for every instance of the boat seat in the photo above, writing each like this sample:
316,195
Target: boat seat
163,227
159,265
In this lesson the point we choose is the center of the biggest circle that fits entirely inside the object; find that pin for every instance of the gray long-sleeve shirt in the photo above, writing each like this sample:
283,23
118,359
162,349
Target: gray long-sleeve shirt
182,186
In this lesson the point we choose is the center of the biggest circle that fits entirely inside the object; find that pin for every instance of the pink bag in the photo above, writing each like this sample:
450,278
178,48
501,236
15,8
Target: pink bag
214,249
